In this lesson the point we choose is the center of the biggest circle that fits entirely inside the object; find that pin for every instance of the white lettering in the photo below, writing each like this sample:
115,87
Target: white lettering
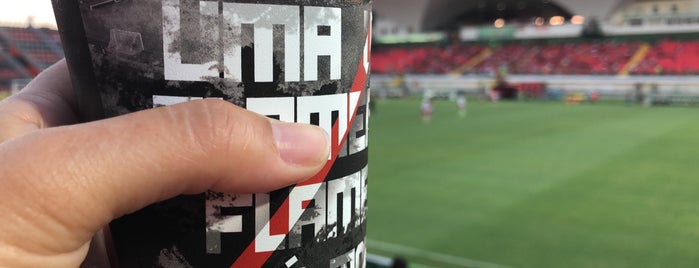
280,108
322,44
159,100
308,108
263,18
342,186
362,196
352,188
265,241
174,69
217,223
323,37
355,258
367,25
324,106
313,215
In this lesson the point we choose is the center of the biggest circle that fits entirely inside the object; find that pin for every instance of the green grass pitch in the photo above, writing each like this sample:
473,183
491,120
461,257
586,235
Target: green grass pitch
534,184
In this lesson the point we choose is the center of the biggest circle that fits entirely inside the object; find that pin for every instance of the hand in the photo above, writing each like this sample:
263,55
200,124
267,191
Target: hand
61,183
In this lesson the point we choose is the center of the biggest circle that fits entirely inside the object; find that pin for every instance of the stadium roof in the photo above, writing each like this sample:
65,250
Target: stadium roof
427,15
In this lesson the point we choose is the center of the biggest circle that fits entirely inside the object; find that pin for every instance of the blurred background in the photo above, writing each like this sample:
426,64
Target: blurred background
509,133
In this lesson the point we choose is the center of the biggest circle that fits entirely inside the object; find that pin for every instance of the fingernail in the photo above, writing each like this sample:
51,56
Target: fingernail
301,144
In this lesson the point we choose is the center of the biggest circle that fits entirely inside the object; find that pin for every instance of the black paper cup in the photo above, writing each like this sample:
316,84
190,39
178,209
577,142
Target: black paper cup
304,61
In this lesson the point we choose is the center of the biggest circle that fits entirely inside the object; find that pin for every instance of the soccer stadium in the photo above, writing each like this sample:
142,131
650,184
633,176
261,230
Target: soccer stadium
516,133
575,146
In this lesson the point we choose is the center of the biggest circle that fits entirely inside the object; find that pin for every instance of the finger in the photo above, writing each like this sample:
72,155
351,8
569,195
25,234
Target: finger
97,256
46,101
116,166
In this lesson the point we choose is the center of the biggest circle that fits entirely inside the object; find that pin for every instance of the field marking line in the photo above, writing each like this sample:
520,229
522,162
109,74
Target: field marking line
433,256
384,261
380,260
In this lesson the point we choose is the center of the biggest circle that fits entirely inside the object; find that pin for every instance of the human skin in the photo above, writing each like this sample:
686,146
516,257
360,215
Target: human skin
61,181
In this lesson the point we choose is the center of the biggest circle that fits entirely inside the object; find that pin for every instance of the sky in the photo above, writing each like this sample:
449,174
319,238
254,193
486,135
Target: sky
16,12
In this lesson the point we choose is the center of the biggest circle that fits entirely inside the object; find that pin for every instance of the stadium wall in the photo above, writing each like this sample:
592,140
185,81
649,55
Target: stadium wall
613,87
470,34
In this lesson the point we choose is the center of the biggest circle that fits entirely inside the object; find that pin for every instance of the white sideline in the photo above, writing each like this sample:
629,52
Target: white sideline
380,260
433,256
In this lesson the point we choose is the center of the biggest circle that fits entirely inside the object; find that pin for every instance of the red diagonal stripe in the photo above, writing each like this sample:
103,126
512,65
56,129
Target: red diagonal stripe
250,258
280,224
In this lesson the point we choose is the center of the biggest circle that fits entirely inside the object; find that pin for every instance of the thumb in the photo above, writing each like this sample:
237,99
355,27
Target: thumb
60,185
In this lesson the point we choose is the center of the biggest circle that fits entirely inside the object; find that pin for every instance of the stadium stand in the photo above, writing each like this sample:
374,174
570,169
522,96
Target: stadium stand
573,57
425,60
671,57
505,56
32,46
24,52
52,39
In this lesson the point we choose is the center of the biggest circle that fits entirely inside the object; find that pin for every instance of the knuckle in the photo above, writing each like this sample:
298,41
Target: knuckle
16,120
214,126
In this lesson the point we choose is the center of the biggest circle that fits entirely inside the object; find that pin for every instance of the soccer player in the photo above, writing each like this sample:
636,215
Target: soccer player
461,103
426,110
